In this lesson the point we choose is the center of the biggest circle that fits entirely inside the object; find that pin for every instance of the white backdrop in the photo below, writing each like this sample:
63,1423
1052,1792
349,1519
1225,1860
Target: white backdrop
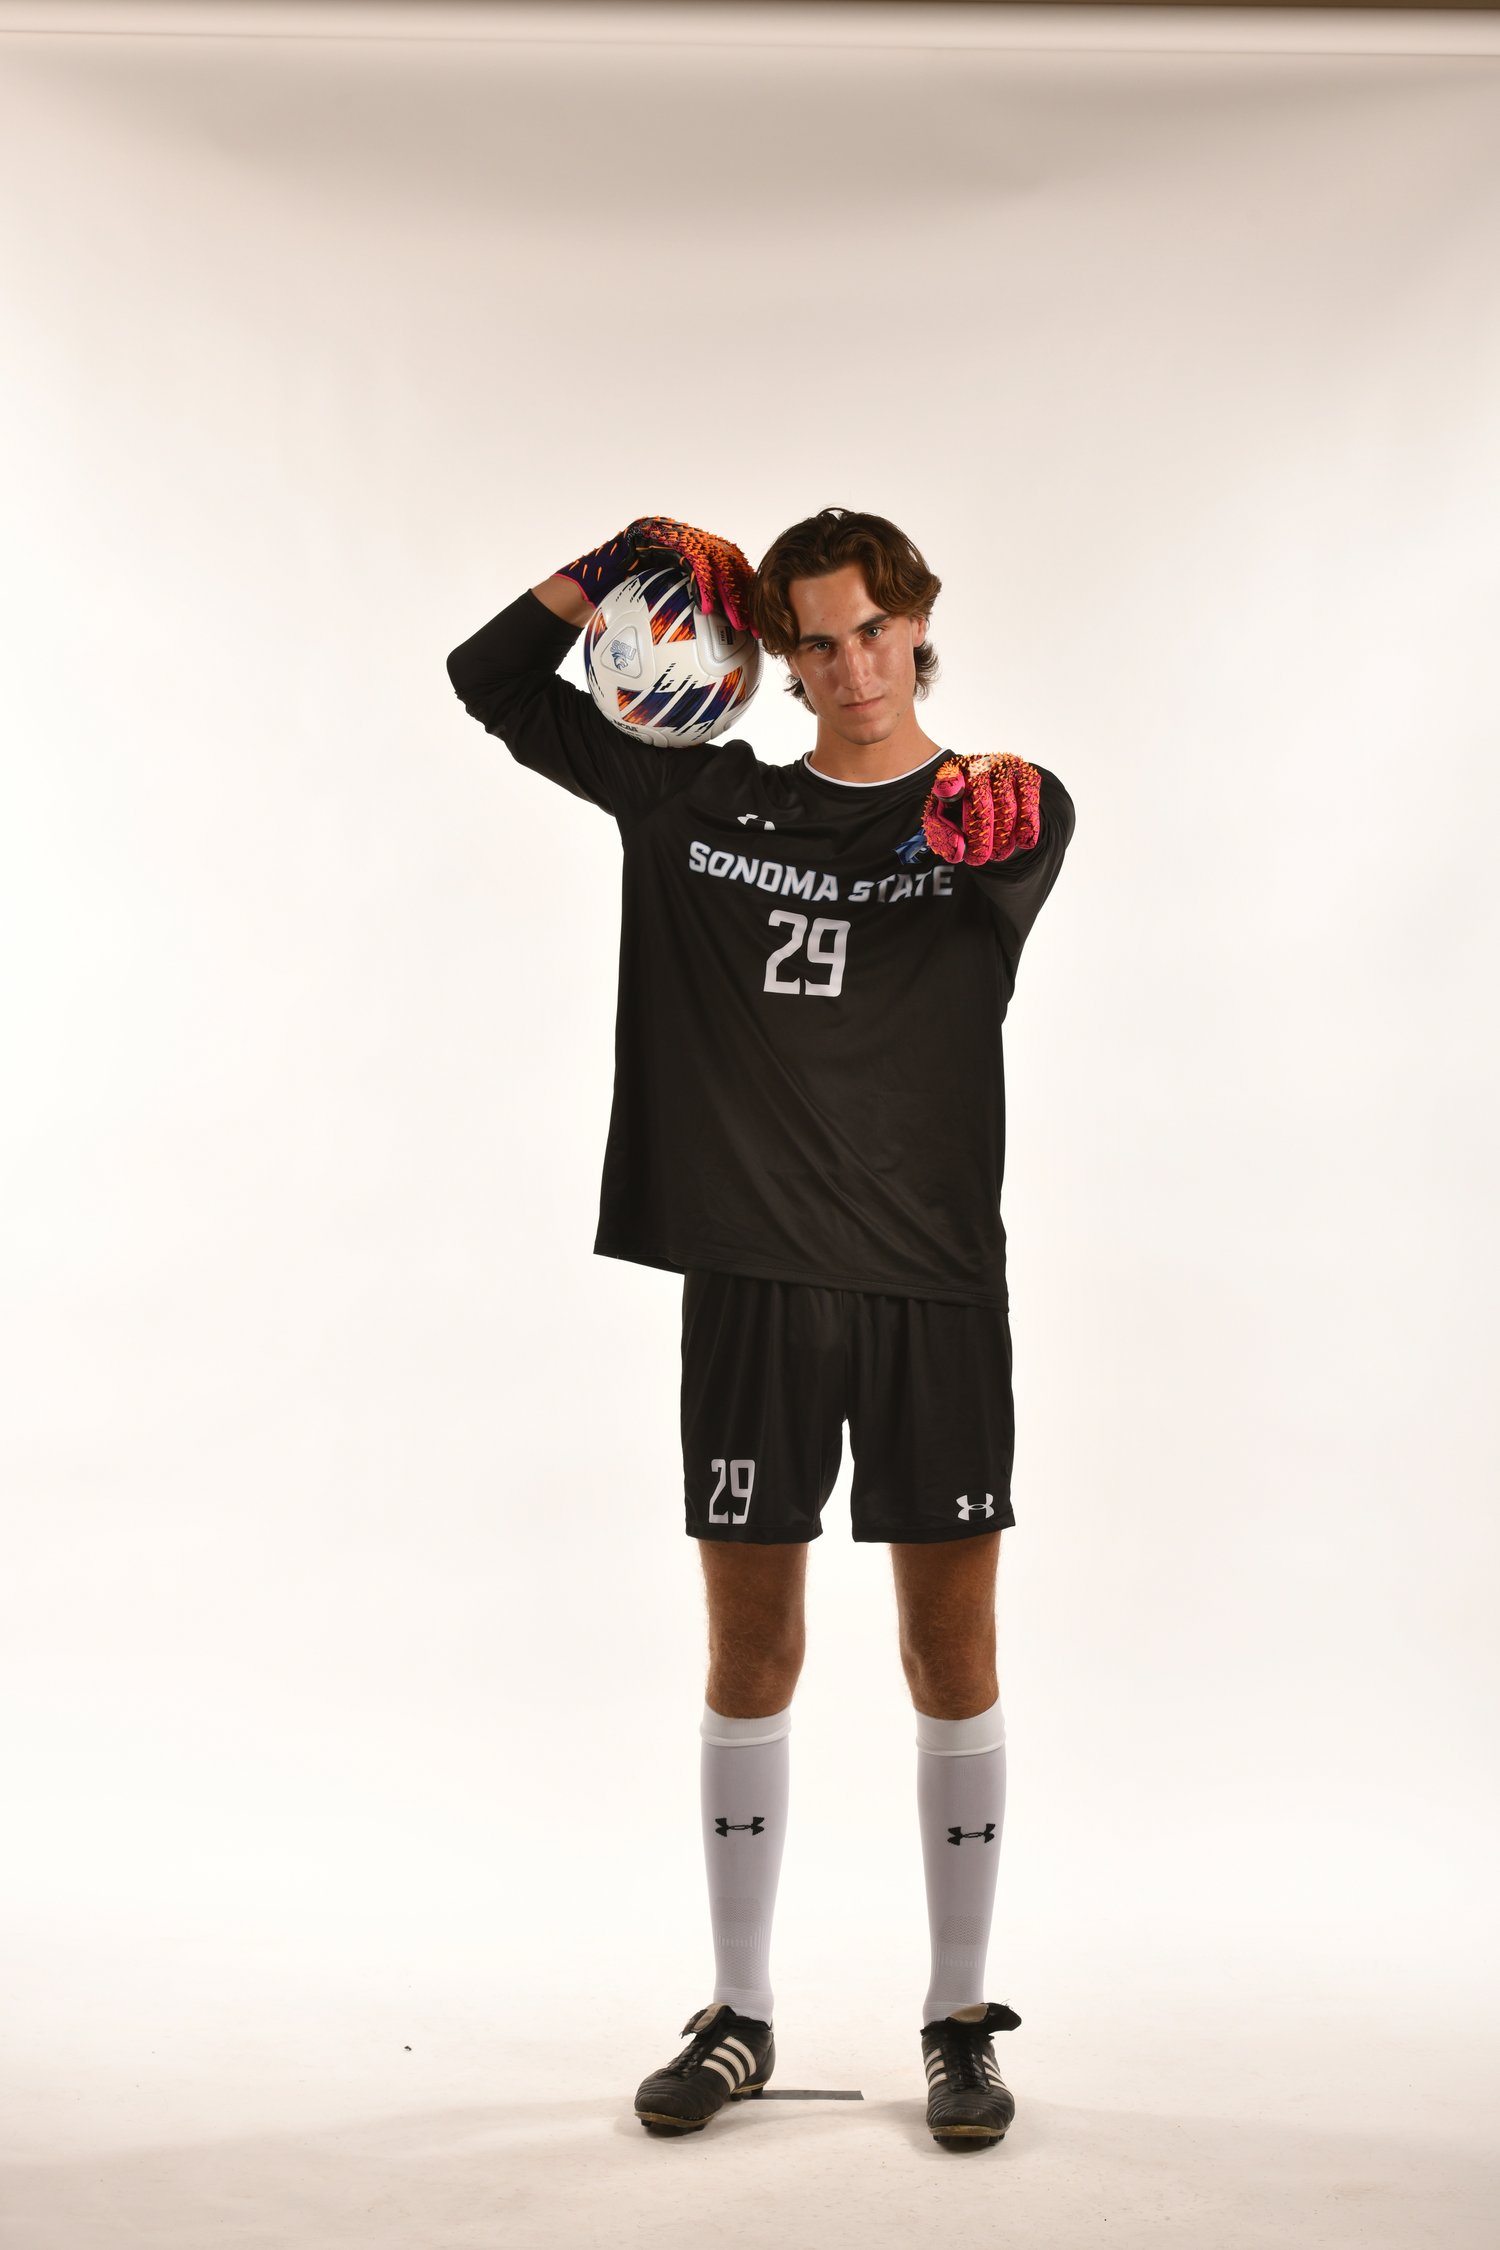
352,1647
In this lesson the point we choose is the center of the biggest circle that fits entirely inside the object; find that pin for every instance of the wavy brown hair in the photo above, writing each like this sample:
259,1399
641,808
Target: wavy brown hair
898,578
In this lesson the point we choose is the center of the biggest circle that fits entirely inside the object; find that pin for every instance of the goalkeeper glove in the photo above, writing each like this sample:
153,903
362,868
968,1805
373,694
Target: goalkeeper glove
721,574
983,807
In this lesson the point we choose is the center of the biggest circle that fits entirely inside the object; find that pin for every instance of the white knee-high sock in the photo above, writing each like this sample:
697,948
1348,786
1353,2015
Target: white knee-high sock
961,1809
743,1767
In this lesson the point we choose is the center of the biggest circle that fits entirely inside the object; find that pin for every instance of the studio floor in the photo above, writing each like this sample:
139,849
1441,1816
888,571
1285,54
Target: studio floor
190,2099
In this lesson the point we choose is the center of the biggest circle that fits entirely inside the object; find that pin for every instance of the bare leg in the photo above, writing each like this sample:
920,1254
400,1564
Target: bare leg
757,1631
945,1602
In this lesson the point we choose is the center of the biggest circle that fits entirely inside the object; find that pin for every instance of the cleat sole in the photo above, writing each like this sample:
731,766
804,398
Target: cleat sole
657,2121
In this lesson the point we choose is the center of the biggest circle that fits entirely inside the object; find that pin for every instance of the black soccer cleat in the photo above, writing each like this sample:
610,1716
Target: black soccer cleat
727,2057
969,2104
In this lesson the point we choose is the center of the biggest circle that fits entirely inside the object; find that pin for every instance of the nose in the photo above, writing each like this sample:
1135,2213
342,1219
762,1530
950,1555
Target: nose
859,679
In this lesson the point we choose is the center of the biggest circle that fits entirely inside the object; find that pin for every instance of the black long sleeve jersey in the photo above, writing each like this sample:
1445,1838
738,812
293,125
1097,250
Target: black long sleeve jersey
809,1077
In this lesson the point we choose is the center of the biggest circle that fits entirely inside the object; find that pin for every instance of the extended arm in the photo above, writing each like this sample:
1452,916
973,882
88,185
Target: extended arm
1016,886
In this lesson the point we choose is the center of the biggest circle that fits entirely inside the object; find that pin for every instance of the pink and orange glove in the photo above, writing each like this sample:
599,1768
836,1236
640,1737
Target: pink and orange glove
983,807
721,574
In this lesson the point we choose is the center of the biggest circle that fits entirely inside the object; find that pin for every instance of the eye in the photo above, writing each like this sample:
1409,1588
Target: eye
828,644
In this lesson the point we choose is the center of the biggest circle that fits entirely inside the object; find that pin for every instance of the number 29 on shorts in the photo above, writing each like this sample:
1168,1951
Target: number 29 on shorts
739,1476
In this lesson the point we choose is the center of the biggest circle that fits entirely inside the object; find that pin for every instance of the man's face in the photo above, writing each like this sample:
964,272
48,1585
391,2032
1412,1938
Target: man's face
857,666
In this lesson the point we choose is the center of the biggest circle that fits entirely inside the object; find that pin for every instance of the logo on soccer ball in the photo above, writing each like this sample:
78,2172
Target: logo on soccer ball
625,653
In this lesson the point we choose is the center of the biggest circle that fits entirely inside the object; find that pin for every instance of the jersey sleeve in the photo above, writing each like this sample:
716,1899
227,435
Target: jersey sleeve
505,676
1016,888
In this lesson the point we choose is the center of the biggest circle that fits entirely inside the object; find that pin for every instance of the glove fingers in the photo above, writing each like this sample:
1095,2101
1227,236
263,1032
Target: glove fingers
665,535
942,836
732,577
1028,805
1018,806
721,572
732,586
979,819
1003,799
983,808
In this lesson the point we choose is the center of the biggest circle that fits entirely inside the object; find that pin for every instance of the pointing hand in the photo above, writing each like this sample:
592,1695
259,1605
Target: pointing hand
983,807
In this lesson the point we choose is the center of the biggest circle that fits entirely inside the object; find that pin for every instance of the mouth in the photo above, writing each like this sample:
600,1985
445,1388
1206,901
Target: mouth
868,704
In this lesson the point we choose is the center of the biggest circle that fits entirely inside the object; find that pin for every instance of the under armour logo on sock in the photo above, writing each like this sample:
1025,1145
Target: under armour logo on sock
755,1825
966,1506
984,1835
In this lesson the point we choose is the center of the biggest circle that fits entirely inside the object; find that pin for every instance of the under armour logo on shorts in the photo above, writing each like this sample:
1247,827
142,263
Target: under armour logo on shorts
755,1825
966,1506
984,1835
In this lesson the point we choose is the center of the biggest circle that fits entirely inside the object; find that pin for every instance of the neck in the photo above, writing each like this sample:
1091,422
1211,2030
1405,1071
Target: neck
901,751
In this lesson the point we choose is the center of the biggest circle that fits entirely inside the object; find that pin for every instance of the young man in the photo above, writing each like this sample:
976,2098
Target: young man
809,1125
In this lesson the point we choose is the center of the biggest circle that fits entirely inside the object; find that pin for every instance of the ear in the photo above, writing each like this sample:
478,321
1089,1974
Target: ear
921,633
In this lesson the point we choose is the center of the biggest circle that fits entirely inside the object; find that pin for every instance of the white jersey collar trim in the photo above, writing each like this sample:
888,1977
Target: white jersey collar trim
885,781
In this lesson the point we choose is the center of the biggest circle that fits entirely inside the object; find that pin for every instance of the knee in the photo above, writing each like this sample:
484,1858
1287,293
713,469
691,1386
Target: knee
952,1681
750,1681
750,1676
948,1698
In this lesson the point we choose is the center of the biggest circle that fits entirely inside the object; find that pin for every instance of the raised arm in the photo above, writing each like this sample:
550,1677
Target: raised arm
565,599
505,674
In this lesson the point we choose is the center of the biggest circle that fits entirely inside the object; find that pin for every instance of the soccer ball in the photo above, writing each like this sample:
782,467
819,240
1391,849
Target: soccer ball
661,669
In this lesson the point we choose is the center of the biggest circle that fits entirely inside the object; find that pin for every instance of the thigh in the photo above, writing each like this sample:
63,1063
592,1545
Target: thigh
945,1605
762,1407
757,1629
945,1587
931,1420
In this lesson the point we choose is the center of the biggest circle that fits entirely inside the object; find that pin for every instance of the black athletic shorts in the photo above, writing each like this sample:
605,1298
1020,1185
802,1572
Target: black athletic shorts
771,1371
